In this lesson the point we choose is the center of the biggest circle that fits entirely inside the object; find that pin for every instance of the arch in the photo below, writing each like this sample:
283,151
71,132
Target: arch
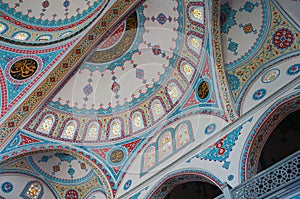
46,37
261,132
43,155
182,135
92,131
165,145
98,194
173,91
195,43
115,128
157,108
137,121
186,70
47,124
3,28
70,130
169,181
22,35
196,13
149,158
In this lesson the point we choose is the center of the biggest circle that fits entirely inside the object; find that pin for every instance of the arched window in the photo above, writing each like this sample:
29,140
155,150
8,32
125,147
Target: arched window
165,145
157,109
3,28
182,135
195,43
174,92
137,121
44,38
69,130
197,14
46,124
33,190
92,132
115,129
149,158
186,183
21,36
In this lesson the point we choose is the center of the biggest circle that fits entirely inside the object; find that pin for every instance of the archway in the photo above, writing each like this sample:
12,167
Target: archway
266,144
194,190
53,173
192,182
283,141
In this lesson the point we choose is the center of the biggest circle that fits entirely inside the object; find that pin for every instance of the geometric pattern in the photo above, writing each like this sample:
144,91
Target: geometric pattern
220,151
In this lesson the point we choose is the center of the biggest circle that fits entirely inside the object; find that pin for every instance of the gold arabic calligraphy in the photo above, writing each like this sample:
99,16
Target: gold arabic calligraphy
116,156
203,90
23,69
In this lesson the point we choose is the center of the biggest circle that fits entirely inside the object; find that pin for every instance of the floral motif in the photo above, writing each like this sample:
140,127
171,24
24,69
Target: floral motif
293,70
7,187
34,191
187,69
249,6
248,28
227,18
234,82
259,94
270,76
173,91
197,13
161,18
21,36
88,89
71,194
210,129
139,73
233,46
283,38
127,185
69,130
46,125
137,120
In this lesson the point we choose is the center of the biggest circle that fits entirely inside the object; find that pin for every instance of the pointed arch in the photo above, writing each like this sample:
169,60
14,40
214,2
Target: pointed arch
92,131
46,124
149,158
70,129
165,145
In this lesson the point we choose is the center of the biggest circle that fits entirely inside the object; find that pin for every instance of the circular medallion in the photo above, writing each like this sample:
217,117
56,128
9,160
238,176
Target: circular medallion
203,90
116,156
259,94
127,185
7,187
71,194
210,129
283,38
293,70
270,76
23,69
230,177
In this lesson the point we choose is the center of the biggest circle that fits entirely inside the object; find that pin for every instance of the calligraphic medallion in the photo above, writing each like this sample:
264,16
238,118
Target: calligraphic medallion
23,69
116,156
203,90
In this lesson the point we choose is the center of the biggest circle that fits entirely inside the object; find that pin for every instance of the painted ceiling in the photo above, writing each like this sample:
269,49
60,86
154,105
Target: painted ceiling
100,98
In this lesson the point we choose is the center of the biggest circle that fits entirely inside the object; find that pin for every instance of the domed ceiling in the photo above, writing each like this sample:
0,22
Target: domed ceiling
117,91
47,21
132,80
